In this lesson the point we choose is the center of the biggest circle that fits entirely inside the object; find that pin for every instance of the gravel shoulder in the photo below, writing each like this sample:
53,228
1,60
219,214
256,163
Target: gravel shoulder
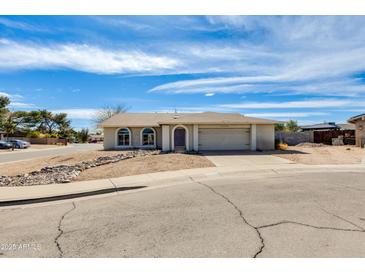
323,155
146,164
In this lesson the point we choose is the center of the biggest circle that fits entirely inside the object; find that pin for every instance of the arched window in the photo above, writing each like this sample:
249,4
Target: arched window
123,137
148,137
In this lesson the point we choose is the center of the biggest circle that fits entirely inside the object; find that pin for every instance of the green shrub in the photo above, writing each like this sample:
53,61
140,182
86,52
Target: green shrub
33,134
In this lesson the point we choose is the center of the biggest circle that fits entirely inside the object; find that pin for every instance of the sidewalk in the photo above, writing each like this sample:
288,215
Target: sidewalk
29,194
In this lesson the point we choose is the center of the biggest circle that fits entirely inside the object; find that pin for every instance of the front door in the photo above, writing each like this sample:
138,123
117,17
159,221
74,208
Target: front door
179,137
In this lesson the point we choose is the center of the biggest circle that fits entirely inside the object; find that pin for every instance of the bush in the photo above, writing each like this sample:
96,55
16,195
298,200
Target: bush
53,135
33,134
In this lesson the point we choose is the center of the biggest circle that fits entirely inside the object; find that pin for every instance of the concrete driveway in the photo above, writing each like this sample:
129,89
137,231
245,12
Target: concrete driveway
295,214
243,159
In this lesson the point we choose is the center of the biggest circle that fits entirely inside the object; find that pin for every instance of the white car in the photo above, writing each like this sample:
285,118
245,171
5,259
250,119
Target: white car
20,143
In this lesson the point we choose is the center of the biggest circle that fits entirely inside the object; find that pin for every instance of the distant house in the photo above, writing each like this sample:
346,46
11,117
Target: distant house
359,122
96,138
328,126
322,126
188,131
326,132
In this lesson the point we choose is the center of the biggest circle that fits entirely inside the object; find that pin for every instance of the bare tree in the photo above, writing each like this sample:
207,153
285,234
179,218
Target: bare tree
109,111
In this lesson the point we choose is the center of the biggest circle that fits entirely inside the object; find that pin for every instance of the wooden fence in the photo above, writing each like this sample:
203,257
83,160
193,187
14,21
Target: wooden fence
40,141
325,137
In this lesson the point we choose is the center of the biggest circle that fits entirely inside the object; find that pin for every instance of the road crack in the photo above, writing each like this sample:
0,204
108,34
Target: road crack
339,217
60,230
308,225
244,220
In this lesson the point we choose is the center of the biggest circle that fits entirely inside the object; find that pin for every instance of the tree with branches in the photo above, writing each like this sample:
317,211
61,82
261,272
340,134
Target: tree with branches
108,112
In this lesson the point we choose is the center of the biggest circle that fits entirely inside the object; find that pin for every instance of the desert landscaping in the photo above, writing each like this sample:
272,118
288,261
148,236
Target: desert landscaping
93,165
319,154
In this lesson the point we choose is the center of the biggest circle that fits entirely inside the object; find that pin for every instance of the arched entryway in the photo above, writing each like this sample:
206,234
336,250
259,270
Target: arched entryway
180,138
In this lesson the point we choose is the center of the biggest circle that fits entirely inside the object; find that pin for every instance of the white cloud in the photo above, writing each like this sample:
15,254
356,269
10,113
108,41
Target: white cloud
21,105
78,113
121,23
10,95
324,103
286,114
20,25
300,55
80,57
209,94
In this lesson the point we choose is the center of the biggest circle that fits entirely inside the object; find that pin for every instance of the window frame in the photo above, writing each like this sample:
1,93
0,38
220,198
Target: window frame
142,135
117,137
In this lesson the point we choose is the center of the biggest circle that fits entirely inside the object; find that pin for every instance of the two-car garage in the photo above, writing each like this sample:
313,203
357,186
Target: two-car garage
224,138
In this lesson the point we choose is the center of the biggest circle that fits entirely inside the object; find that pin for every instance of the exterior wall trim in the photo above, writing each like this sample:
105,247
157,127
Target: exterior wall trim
253,137
186,137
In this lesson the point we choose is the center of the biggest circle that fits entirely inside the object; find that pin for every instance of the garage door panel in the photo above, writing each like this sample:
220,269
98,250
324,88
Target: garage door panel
224,139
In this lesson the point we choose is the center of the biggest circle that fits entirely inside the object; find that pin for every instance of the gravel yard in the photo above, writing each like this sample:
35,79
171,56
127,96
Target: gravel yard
12,169
147,164
94,165
323,155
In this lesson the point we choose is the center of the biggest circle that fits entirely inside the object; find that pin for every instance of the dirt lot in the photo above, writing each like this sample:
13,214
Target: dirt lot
323,155
139,165
148,164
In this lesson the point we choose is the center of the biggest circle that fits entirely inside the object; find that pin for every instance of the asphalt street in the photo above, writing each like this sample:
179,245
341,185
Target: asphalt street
27,154
319,214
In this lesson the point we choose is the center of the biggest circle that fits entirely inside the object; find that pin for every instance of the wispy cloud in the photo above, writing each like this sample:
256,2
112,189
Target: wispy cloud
296,55
11,95
78,113
287,114
119,22
21,105
82,57
324,103
21,25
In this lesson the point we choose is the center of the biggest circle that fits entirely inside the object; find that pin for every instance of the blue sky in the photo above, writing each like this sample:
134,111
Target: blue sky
310,69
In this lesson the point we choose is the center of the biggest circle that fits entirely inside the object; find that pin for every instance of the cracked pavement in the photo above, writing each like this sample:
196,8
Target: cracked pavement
317,214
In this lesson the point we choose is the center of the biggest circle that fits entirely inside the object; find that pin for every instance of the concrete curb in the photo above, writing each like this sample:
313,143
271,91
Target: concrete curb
43,193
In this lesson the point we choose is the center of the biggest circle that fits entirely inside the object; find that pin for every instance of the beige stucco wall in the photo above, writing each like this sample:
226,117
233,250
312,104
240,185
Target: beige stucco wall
110,137
360,133
265,137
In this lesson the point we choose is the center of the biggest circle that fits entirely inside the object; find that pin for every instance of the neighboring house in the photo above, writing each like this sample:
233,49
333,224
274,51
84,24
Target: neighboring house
96,138
347,127
322,126
328,131
2,133
188,131
359,122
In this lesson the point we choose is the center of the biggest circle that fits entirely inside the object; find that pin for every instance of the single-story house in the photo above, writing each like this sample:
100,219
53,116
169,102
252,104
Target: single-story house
188,131
322,126
359,121
328,126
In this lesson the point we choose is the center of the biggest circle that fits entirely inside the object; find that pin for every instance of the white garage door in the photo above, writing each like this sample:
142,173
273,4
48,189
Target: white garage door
224,139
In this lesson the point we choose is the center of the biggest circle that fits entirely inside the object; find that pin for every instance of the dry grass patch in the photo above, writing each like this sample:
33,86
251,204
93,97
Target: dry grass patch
147,164
324,155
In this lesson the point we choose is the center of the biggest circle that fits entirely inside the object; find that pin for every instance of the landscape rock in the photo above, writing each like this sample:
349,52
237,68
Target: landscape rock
61,174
